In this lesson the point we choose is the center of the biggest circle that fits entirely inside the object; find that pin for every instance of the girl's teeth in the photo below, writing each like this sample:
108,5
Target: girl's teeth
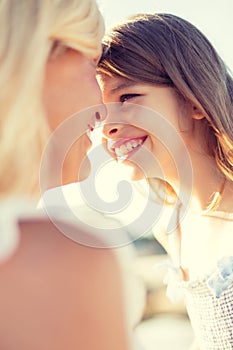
118,152
123,149
129,146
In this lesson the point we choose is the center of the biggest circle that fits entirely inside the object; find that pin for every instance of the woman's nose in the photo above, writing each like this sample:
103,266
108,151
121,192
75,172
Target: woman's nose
101,113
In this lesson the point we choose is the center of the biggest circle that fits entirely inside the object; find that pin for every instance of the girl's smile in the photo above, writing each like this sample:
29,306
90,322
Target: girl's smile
125,147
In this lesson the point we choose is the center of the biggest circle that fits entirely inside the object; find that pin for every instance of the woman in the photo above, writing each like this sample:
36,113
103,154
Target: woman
171,120
49,51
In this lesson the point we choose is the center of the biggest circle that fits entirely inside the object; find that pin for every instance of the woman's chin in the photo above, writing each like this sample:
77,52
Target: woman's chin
84,170
73,174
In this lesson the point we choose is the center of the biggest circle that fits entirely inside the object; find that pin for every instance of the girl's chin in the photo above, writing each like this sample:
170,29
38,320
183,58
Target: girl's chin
134,172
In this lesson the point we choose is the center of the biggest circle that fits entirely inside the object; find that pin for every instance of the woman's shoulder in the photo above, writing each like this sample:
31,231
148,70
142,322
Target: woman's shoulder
62,287
20,221
68,203
33,241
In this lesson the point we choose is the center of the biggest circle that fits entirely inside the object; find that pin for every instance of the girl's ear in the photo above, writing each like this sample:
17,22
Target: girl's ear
197,114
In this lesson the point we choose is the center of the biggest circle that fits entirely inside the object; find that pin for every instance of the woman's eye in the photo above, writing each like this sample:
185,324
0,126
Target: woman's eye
126,97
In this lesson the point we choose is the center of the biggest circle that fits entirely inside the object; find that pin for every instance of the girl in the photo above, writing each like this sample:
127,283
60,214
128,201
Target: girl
171,119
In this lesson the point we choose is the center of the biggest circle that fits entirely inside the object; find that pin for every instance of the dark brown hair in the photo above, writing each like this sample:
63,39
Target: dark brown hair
164,49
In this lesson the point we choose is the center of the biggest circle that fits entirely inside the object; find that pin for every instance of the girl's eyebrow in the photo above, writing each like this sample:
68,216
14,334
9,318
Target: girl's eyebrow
123,85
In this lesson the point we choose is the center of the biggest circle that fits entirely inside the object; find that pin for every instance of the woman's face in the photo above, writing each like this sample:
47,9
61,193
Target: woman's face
71,88
143,128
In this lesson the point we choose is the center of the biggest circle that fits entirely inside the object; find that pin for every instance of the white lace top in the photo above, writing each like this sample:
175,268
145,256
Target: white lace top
209,301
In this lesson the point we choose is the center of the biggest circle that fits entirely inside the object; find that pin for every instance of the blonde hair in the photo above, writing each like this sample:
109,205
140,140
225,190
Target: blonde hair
28,31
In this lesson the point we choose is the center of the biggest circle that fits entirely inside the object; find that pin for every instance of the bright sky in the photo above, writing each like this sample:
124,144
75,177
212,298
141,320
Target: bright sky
212,17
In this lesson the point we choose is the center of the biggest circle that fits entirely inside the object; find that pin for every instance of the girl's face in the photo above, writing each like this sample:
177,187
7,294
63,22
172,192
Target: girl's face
71,88
144,127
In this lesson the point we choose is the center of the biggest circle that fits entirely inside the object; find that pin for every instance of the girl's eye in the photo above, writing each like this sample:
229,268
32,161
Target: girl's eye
126,97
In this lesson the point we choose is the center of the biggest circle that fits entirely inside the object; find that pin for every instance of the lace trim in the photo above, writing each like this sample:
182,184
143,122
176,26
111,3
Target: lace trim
217,282
221,280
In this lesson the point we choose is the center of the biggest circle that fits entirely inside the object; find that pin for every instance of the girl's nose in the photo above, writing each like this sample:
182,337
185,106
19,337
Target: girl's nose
112,130
114,122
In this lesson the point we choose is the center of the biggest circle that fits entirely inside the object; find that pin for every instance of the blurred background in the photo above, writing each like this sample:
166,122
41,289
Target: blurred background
213,18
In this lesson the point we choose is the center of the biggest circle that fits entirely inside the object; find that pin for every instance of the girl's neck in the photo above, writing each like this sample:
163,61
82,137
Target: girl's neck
210,189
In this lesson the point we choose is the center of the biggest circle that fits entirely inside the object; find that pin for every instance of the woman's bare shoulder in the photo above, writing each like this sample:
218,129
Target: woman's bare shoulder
55,292
47,251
